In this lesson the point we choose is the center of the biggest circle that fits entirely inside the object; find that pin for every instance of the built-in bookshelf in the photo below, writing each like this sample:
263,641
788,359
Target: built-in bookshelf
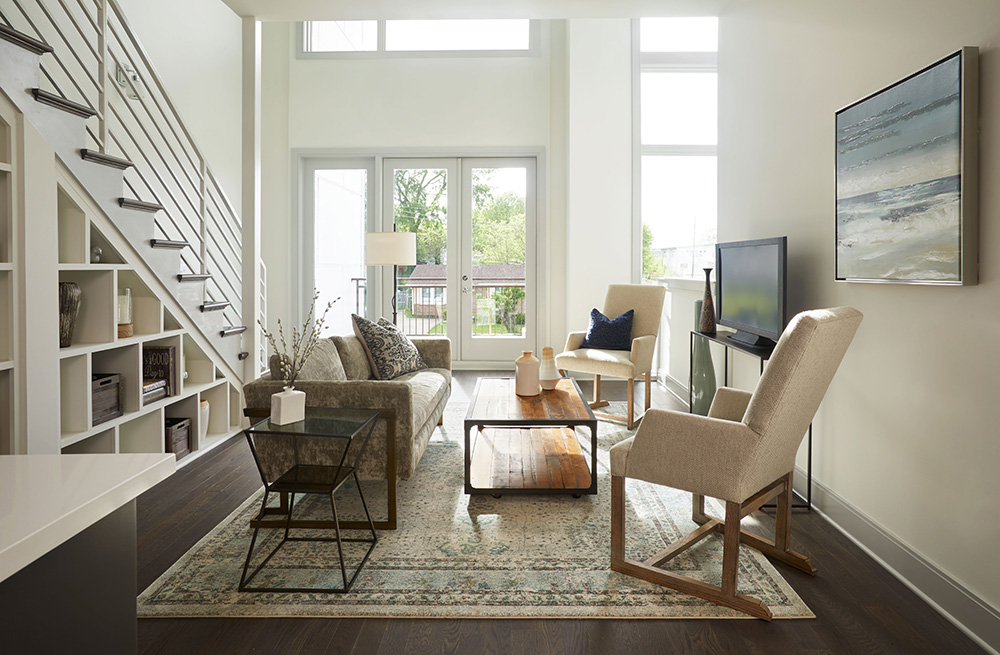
98,349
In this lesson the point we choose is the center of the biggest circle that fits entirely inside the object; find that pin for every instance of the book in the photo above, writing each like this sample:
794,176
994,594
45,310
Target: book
152,385
154,395
159,363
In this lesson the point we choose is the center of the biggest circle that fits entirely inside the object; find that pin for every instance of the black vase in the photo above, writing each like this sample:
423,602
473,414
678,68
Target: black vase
69,308
707,322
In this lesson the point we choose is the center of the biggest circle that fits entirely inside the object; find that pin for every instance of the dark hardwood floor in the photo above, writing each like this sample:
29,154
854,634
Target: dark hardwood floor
860,608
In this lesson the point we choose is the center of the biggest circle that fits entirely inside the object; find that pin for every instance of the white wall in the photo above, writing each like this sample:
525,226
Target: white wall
435,104
195,47
908,432
599,187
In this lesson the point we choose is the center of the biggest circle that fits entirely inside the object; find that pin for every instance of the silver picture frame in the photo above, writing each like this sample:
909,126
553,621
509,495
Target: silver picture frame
907,179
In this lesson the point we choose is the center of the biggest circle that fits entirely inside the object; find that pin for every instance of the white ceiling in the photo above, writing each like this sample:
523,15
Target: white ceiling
291,10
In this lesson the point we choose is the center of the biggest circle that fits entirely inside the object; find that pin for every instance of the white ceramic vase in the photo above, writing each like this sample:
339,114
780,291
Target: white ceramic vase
526,374
288,406
548,374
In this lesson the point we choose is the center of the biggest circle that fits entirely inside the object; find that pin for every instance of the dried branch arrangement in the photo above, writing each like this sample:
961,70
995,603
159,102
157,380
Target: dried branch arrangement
303,342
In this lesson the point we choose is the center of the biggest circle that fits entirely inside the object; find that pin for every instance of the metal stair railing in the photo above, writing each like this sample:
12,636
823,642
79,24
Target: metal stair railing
99,62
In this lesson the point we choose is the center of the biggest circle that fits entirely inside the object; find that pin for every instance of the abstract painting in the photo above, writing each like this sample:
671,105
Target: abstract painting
906,187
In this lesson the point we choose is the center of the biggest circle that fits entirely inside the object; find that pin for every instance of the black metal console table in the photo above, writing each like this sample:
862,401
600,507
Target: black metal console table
763,354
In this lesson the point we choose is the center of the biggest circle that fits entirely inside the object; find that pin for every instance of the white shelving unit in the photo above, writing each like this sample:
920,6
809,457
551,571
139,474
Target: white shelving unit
8,372
96,348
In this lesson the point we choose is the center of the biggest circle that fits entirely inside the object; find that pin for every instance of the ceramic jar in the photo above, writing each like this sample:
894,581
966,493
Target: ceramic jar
288,406
548,374
526,374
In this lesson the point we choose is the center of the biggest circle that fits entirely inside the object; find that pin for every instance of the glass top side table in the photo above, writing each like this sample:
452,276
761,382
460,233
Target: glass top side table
313,456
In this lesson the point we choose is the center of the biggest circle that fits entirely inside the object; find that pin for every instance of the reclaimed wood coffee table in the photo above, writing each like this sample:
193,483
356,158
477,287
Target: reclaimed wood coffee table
517,444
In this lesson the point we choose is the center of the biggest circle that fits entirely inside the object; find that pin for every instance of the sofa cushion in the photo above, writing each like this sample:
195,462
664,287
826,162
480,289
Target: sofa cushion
390,352
323,364
353,357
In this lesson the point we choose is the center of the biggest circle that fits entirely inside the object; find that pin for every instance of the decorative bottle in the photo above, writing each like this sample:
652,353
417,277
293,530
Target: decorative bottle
526,374
548,375
706,322
702,370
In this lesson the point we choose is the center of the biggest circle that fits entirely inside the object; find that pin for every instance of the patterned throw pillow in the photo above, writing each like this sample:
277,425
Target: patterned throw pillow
609,333
390,351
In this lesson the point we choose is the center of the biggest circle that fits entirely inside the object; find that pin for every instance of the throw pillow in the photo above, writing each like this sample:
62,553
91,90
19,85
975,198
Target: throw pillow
323,364
354,357
390,351
609,333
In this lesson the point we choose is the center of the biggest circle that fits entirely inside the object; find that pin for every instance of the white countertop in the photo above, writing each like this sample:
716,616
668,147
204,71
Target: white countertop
47,499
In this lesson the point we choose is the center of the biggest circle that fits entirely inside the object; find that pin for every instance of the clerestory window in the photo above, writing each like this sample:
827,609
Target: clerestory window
395,38
677,131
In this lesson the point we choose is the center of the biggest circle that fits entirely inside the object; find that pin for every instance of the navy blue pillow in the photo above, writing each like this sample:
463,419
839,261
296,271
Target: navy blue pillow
609,333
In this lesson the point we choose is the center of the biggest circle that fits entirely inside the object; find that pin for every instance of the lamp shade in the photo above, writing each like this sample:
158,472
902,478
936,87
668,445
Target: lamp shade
388,248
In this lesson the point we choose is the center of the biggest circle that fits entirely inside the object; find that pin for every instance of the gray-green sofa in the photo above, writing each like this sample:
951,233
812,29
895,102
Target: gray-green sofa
338,374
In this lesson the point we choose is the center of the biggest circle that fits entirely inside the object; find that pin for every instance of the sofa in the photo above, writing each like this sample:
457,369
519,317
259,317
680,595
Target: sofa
338,374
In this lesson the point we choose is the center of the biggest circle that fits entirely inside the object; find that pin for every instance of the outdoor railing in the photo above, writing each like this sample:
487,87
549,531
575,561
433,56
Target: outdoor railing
99,62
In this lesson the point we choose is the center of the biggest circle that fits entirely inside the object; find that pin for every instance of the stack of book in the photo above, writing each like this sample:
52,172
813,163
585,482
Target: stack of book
153,390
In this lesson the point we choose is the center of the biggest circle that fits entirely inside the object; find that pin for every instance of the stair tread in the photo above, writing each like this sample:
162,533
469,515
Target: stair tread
65,104
140,205
168,243
193,277
104,159
36,46
233,329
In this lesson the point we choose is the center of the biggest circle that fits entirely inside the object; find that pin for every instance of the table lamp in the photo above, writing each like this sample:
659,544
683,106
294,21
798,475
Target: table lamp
391,249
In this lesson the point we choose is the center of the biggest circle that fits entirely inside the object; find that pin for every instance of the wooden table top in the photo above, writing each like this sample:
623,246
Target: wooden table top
494,402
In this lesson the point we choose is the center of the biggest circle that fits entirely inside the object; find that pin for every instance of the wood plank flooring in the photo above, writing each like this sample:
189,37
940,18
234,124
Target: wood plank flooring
861,608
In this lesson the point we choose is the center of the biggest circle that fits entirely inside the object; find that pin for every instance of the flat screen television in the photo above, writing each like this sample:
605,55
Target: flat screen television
750,289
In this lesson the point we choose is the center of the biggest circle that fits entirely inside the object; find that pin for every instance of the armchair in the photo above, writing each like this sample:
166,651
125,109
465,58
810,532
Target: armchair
742,453
647,303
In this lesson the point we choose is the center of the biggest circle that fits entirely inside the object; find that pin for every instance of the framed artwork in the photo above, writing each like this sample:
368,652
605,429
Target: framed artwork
907,174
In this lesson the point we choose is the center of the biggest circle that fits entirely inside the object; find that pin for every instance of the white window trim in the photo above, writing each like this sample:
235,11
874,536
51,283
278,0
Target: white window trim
534,48
676,62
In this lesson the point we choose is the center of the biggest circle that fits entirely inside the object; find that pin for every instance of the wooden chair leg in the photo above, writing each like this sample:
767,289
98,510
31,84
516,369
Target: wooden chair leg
597,402
649,391
617,521
698,514
783,518
630,412
731,549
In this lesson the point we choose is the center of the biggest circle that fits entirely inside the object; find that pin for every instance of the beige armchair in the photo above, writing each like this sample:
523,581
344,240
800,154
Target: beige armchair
647,303
742,453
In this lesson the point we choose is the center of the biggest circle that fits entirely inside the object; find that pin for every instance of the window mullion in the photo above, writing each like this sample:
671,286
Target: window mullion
380,39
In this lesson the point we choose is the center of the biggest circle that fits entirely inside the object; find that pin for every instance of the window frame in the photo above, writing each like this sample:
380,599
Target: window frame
533,49
651,62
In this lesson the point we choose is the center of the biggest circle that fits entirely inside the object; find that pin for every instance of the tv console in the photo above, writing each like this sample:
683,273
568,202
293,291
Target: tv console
762,353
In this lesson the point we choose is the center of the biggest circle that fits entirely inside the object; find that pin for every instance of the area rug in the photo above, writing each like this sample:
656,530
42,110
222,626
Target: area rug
459,556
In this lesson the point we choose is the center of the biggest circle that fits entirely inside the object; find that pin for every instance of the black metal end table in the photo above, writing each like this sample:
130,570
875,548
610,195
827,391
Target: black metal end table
313,456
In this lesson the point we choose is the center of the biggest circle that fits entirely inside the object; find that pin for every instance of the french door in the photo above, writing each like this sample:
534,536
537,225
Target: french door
474,280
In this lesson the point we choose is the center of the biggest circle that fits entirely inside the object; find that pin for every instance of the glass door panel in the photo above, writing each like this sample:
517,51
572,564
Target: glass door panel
498,263
420,201
334,240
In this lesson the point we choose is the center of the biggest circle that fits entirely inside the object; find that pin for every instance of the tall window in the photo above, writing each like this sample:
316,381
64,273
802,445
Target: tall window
379,38
678,137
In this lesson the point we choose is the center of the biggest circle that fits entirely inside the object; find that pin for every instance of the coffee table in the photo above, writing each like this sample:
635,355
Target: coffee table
528,445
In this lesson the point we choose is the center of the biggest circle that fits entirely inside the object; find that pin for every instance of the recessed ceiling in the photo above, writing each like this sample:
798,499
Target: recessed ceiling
292,10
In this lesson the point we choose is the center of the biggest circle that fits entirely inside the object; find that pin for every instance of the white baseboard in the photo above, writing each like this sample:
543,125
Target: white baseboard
967,611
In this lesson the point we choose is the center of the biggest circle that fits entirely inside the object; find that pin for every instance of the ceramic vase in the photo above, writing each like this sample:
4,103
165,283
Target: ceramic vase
288,406
548,374
702,370
706,320
69,308
526,374
204,412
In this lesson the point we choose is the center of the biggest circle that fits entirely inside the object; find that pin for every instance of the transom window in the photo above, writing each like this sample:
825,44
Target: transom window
374,38
678,137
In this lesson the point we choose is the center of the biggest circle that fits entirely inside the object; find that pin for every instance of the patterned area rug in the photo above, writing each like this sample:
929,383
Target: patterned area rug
456,556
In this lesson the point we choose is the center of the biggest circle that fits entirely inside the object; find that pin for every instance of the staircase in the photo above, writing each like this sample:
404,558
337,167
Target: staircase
182,230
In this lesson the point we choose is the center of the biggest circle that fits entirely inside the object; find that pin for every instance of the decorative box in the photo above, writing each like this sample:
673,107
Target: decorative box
178,436
107,397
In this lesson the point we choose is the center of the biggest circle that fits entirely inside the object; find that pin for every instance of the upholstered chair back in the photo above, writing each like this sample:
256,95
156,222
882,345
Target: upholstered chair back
645,299
793,385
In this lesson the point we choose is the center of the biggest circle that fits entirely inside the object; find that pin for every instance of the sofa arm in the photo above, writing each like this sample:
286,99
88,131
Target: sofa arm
435,351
